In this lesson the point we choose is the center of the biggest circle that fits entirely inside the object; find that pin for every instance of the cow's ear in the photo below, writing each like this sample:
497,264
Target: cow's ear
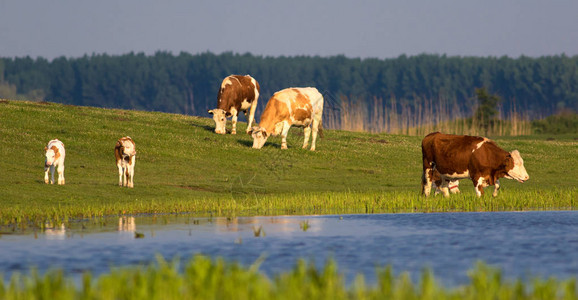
210,111
45,149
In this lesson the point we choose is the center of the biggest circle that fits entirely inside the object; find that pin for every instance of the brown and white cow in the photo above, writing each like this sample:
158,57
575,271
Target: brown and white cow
125,153
301,107
55,155
462,156
237,93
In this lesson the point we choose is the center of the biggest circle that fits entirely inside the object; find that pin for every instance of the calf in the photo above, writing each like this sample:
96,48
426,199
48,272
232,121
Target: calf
301,107
461,156
453,185
55,155
125,153
237,93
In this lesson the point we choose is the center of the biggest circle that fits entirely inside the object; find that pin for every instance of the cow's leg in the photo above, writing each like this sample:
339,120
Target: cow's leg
315,129
306,135
496,188
131,172
120,173
426,181
60,170
444,188
251,115
46,170
284,133
235,113
479,186
52,171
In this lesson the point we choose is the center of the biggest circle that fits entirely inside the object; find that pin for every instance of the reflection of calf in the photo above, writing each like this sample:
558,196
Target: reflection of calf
125,153
54,160
126,224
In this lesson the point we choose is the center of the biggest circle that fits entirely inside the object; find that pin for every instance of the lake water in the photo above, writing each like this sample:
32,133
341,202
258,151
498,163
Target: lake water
522,244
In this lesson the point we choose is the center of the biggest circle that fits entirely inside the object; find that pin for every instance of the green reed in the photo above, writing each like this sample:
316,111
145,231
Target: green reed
205,278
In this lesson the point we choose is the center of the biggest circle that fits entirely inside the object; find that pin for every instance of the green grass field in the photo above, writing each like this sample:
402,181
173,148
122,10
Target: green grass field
183,166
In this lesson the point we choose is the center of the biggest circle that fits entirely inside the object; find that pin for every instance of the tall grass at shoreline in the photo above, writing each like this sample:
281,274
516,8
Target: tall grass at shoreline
420,118
203,278
297,204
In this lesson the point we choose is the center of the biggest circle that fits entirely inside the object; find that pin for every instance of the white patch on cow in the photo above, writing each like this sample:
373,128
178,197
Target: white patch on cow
482,182
519,172
496,188
456,175
226,82
478,145
245,104
253,104
279,127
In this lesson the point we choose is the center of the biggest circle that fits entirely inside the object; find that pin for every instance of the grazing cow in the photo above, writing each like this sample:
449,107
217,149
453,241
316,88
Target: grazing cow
301,107
462,156
55,155
125,153
237,93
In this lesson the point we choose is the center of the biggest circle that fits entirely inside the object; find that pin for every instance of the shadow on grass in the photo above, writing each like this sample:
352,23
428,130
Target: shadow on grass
205,127
267,145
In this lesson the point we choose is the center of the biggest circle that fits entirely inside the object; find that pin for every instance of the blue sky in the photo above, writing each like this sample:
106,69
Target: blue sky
382,29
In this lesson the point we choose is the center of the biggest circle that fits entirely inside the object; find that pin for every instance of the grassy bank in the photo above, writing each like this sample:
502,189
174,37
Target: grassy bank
182,166
202,278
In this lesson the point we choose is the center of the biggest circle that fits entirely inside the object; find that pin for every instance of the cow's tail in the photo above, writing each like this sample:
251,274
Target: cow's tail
320,129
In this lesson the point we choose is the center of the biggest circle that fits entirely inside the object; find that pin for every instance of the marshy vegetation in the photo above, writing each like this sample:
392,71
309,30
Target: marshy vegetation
184,167
203,278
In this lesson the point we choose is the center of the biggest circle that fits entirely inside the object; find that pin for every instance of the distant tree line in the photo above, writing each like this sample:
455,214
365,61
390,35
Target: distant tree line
188,84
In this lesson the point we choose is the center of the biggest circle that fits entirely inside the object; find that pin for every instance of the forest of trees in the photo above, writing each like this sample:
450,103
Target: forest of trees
188,84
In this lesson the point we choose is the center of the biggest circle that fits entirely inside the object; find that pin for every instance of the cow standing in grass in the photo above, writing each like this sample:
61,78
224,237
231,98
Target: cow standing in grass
125,153
302,107
55,155
237,93
462,156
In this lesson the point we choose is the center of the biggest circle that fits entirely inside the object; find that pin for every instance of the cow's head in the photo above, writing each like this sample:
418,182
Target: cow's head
260,136
51,155
515,167
127,147
220,118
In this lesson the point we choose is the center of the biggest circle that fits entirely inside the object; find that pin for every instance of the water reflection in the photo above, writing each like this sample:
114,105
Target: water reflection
521,243
52,232
126,224
279,224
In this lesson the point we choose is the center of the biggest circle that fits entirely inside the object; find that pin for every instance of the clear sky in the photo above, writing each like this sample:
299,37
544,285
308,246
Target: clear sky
380,28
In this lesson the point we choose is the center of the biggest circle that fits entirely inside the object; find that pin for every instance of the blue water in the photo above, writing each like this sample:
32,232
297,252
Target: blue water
521,244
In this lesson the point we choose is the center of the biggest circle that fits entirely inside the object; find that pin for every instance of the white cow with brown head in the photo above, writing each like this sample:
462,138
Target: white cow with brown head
125,153
237,93
55,155
302,107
